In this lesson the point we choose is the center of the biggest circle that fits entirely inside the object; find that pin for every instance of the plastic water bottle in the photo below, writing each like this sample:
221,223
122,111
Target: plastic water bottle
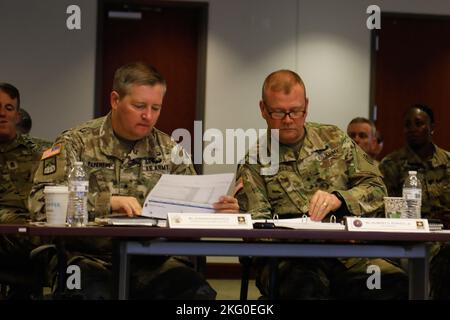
412,193
77,213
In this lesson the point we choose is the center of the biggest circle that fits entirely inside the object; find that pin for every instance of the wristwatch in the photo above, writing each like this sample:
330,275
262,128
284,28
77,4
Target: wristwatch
342,211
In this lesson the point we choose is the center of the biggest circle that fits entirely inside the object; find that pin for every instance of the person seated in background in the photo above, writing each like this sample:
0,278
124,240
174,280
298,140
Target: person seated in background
124,155
378,147
433,169
321,173
363,132
19,158
25,123
24,127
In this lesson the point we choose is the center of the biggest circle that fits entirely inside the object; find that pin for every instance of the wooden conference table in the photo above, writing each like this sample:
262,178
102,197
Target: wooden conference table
255,243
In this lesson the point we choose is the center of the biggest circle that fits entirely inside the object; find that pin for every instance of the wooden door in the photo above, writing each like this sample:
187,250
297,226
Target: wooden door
412,65
170,36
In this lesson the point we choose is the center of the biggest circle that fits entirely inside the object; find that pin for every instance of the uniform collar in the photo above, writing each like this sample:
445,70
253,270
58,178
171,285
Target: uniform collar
110,145
438,159
13,144
311,144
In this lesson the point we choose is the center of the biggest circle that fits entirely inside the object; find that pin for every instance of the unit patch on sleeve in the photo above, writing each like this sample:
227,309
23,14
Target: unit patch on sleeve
49,166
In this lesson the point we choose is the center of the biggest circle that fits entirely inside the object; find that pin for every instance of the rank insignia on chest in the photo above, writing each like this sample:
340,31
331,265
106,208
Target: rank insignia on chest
49,166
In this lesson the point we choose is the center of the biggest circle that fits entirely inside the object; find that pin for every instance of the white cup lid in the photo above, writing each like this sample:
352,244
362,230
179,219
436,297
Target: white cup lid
56,189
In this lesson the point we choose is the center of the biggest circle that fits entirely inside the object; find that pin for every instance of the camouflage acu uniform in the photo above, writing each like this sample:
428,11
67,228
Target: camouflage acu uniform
19,159
434,175
330,161
45,144
115,170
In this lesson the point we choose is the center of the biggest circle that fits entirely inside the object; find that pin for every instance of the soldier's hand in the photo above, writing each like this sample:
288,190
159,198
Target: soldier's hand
321,204
128,205
226,204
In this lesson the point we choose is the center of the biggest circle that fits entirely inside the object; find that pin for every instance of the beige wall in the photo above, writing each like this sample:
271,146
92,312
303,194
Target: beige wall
52,66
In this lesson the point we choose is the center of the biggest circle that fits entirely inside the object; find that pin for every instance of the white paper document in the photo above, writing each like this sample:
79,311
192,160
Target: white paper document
302,223
183,193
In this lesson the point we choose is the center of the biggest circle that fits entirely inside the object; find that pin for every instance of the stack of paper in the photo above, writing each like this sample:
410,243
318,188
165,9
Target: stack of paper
181,193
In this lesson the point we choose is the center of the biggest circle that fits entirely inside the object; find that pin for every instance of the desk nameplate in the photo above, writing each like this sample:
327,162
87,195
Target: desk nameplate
210,220
387,225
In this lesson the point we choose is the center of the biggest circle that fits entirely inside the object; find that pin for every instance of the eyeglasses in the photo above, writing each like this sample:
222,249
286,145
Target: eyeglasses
279,115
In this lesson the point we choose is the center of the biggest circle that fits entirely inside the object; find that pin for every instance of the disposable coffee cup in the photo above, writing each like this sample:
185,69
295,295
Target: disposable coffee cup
394,206
56,199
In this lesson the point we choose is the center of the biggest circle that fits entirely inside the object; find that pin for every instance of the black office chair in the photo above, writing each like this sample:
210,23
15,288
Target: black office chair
26,280
247,264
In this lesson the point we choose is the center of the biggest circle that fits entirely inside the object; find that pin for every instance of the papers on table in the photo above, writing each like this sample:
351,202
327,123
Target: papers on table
185,193
123,220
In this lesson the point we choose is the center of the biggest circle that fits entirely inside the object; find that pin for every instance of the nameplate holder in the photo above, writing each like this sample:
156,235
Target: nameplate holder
387,224
209,220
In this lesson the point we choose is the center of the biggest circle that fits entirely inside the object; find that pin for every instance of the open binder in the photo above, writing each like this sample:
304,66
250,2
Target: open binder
124,220
298,223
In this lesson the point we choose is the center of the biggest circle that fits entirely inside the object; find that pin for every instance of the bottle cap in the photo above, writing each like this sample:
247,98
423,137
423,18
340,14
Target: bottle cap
412,172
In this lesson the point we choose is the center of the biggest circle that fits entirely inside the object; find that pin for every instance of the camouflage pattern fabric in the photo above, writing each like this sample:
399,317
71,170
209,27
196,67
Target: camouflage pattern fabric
45,144
330,161
19,159
434,175
114,168
18,162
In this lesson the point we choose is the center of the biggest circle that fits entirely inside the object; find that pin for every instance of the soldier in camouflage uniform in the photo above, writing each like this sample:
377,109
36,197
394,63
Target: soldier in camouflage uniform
321,173
433,169
124,156
24,127
19,158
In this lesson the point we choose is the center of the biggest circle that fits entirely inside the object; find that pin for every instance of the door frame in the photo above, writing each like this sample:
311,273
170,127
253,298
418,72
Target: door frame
373,113
203,9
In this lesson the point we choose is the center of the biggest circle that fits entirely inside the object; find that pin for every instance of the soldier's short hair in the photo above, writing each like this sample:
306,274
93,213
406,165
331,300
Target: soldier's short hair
11,91
373,128
137,73
281,80
424,108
